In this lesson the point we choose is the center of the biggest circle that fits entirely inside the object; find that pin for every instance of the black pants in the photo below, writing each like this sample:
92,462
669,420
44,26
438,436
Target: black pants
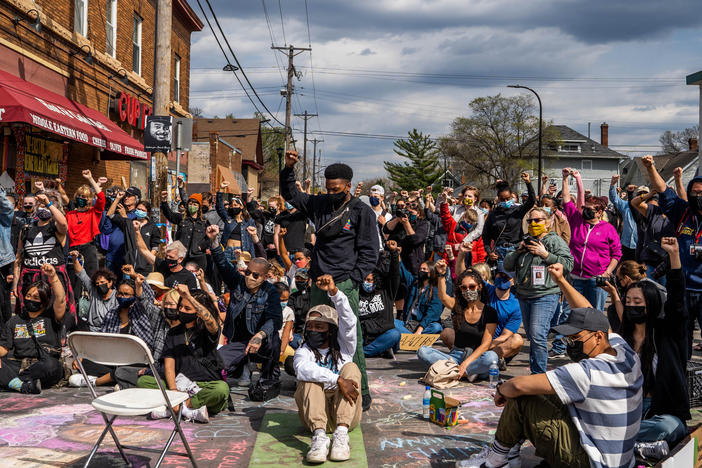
628,254
212,276
268,355
49,370
90,264
98,370
5,289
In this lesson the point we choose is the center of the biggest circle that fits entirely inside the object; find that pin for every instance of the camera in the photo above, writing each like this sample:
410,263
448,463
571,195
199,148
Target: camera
530,240
696,251
601,280
402,213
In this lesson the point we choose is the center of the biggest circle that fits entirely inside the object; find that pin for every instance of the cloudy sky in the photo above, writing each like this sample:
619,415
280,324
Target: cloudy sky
383,67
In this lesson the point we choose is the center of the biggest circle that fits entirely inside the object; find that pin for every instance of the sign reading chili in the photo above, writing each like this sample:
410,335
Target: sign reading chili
131,111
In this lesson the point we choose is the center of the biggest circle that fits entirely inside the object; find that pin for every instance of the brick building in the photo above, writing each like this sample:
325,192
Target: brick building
91,63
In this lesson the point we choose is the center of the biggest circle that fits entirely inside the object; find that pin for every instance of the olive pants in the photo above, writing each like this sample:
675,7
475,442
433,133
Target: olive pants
213,394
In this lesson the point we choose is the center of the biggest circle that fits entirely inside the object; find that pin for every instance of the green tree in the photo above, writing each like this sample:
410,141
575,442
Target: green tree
422,169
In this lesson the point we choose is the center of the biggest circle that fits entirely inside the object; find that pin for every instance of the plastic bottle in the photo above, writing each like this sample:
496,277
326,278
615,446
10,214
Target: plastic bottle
494,374
425,402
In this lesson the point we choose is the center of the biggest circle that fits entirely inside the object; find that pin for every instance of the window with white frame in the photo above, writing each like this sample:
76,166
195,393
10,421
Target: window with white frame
111,28
586,165
136,45
80,17
176,79
570,148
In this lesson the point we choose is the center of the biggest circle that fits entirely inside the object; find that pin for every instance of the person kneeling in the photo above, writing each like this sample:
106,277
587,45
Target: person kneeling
328,385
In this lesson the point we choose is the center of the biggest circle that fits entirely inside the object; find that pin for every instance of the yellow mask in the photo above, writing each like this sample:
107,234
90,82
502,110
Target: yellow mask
468,201
536,230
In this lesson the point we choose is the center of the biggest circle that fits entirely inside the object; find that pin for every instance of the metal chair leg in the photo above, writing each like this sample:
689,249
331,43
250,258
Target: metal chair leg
184,440
118,444
99,441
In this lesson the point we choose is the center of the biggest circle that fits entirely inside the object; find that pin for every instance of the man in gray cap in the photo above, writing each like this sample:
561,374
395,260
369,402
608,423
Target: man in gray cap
582,414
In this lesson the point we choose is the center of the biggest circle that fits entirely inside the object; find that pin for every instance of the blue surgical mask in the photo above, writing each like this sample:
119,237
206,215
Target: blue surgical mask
507,204
288,206
485,211
503,283
283,305
140,214
125,302
374,201
547,209
368,287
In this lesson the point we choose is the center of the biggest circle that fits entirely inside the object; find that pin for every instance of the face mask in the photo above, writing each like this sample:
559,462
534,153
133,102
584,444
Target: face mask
125,302
205,209
171,313
547,209
28,208
301,263
636,314
368,287
470,295
695,202
315,339
468,202
44,214
81,202
288,206
271,209
234,211
272,280
575,352
192,209
412,218
423,276
466,225
186,318
588,213
503,283
283,305
32,306
485,211
374,201
337,198
536,230
170,263
103,288
507,204
301,285
140,214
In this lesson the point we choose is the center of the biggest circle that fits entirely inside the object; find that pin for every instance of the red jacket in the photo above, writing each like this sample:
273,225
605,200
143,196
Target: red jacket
453,238
83,225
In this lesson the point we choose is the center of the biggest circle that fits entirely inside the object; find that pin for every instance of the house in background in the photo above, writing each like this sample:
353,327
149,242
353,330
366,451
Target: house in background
634,173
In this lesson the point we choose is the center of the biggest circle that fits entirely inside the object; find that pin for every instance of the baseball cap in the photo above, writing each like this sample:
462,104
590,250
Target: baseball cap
642,189
134,192
303,274
326,314
245,256
583,318
377,189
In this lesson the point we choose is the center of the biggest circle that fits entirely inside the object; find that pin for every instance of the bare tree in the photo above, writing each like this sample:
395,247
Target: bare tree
676,142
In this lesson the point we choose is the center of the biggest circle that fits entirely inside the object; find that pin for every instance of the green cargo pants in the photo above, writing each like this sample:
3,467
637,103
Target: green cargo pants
546,422
317,297
213,394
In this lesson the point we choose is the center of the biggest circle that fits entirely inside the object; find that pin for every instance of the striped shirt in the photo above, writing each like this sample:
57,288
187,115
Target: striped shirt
604,399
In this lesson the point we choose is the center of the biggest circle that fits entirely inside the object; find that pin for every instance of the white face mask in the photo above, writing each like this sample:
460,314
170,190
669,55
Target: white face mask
272,280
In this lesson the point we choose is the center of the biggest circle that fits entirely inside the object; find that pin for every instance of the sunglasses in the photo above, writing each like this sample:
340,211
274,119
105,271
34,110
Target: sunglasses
471,287
253,274
570,341
535,220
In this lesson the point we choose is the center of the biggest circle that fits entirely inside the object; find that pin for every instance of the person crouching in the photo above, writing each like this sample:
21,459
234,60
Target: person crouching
328,380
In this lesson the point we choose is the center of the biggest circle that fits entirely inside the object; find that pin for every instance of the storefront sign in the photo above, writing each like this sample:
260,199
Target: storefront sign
42,157
130,110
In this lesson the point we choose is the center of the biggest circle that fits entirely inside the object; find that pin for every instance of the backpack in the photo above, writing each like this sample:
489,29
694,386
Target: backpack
442,374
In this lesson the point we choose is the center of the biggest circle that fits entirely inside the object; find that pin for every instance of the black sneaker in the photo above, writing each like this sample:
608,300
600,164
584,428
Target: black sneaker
31,387
366,401
389,354
556,354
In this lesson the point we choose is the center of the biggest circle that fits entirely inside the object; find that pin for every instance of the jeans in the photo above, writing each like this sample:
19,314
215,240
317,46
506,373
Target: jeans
649,275
234,357
537,314
660,427
561,315
502,252
480,366
432,329
594,294
388,339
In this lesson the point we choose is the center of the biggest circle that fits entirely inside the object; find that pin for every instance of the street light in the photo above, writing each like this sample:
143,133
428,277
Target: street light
540,123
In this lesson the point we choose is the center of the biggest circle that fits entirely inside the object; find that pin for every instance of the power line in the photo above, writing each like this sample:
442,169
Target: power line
280,8
270,32
309,44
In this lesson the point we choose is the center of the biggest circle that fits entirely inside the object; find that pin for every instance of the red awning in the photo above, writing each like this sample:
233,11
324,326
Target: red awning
22,101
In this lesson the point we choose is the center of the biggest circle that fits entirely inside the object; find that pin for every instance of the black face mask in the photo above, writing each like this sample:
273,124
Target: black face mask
171,263
588,213
636,314
103,288
315,339
186,318
171,313
695,202
205,209
575,352
423,276
336,199
234,211
32,306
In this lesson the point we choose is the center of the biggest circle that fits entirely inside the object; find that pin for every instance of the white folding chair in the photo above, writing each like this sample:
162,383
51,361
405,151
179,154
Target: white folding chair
113,349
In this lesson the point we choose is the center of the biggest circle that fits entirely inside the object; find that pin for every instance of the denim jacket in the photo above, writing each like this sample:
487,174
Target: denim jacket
7,213
263,311
247,244
629,232
429,306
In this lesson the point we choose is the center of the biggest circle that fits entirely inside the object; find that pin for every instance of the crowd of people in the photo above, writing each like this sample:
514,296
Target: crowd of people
314,284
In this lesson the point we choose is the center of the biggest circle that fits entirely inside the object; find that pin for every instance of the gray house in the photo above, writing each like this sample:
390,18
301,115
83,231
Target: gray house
633,172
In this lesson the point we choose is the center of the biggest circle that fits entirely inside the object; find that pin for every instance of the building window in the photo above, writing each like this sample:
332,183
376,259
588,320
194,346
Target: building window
570,148
176,79
80,17
587,165
111,28
136,45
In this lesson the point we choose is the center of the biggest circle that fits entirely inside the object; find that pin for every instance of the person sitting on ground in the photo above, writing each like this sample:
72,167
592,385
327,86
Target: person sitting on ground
190,359
422,306
158,286
328,382
172,267
286,332
628,273
135,314
101,289
300,303
567,413
375,307
34,335
474,323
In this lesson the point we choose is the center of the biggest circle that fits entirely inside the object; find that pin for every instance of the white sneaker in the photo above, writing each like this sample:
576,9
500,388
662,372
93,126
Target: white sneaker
77,380
160,413
514,458
340,450
199,415
484,459
319,448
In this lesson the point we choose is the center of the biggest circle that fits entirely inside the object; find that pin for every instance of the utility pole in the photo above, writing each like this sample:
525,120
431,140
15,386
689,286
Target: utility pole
162,88
305,116
292,51
314,162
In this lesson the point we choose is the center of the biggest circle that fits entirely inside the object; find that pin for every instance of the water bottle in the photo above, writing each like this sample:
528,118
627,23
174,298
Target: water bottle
425,402
494,374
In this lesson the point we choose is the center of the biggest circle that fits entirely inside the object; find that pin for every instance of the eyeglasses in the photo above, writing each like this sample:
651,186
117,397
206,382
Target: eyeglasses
252,273
570,341
535,220
472,287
